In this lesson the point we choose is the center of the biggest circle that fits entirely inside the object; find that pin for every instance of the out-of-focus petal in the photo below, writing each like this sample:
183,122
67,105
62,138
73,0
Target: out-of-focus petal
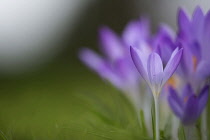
91,59
172,64
203,99
197,14
138,62
186,64
187,92
111,44
190,110
136,31
175,103
203,70
164,42
205,37
195,48
197,22
183,19
99,65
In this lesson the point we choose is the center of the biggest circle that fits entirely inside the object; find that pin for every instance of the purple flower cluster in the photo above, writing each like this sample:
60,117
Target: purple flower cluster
156,57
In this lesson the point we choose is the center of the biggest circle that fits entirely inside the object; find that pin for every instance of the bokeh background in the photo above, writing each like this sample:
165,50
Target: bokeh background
45,91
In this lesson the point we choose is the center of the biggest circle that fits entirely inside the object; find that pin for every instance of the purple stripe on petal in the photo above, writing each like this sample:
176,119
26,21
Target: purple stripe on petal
172,64
139,63
111,43
175,103
203,99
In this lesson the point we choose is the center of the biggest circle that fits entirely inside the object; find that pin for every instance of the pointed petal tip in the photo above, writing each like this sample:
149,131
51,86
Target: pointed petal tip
183,18
172,64
198,9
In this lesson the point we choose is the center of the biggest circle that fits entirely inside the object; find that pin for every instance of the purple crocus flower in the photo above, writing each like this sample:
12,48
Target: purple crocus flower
165,43
116,65
150,66
194,35
188,106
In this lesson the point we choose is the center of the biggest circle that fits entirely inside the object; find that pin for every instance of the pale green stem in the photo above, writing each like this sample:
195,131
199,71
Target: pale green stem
157,117
204,131
191,133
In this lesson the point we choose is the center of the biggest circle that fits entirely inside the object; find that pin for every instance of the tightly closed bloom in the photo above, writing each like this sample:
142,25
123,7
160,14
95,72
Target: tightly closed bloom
150,66
188,106
194,35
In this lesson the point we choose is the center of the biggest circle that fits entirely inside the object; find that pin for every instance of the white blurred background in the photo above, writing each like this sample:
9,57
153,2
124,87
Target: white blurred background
30,28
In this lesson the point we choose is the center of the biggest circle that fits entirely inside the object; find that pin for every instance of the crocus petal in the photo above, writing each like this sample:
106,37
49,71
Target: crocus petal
203,70
91,59
205,37
111,43
183,19
197,14
187,92
138,62
172,64
155,71
126,71
190,110
197,22
99,65
203,98
164,42
186,64
136,31
175,103
195,48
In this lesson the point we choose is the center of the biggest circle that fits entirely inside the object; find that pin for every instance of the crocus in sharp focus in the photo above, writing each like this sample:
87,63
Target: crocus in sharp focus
188,106
150,66
194,35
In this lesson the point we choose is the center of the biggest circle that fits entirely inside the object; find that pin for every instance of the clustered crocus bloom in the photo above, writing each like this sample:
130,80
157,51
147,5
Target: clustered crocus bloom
188,105
156,57
150,66
193,35
116,65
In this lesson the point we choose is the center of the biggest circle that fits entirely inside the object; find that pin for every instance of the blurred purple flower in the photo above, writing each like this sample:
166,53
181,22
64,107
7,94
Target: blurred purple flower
194,35
116,65
165,43
188,106
150,66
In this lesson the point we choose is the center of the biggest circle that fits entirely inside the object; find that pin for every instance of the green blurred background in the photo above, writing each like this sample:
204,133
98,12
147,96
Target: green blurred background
59,98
